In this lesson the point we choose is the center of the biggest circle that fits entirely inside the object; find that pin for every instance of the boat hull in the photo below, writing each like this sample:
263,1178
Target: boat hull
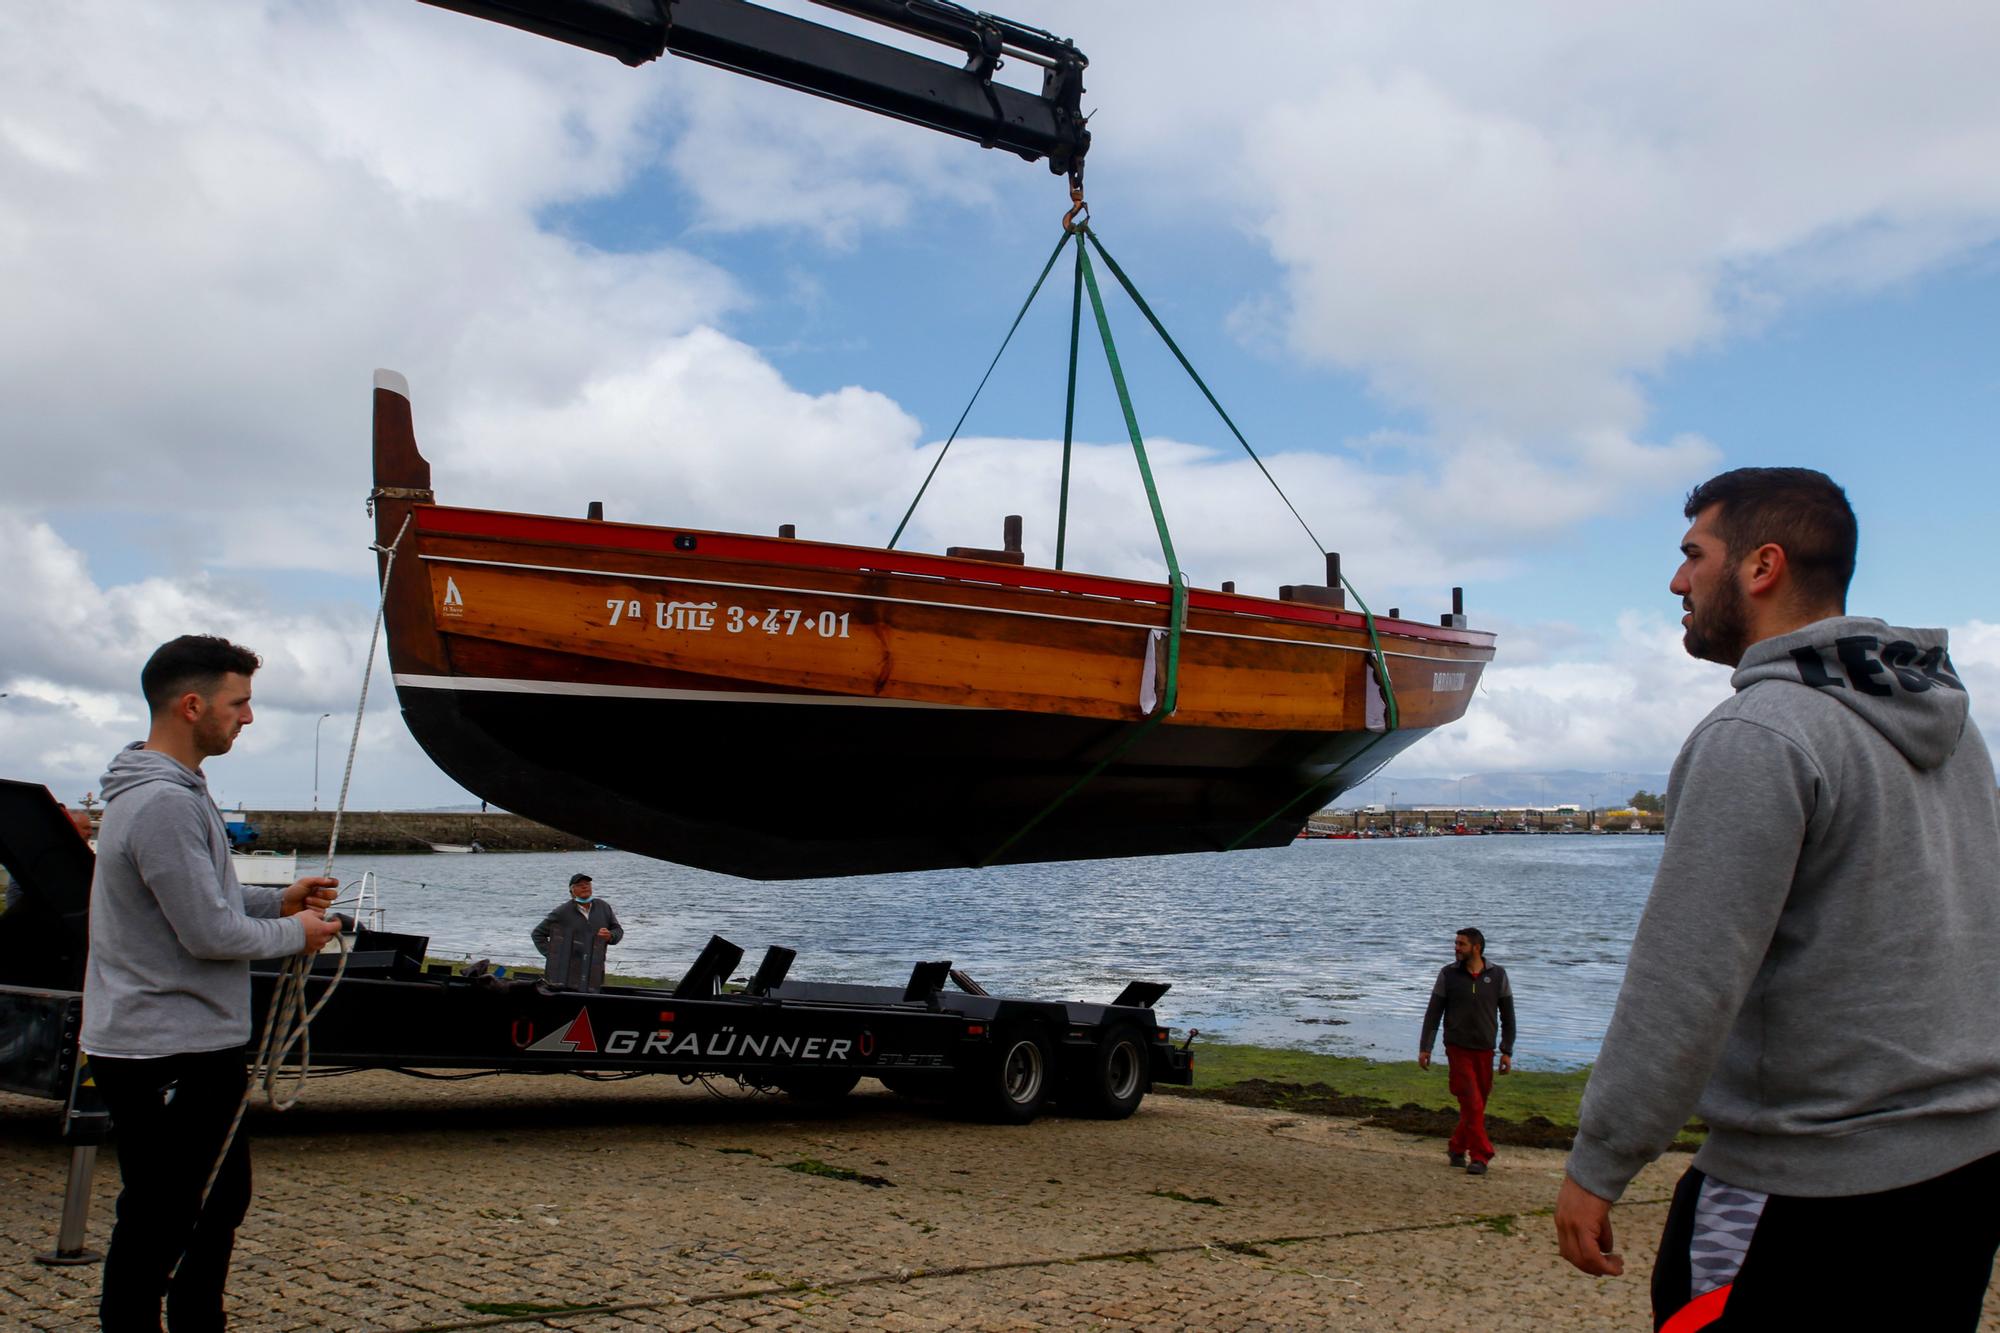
802,789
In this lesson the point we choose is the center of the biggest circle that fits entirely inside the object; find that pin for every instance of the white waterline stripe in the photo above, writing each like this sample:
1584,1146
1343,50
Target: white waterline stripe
949,606
508,685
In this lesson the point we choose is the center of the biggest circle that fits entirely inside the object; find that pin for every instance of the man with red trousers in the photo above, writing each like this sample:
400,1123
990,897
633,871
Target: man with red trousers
1476,1004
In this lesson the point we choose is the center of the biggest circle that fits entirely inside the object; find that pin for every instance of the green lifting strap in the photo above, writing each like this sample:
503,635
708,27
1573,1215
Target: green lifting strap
1177,583
1381,659
1086,279
1019,315
1069,405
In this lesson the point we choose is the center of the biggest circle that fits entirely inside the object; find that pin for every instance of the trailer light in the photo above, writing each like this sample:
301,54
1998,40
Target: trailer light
1160,1034
975,1029
666,1015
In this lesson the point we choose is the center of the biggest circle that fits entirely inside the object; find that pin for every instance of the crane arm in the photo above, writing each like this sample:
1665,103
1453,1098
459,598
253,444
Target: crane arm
783,49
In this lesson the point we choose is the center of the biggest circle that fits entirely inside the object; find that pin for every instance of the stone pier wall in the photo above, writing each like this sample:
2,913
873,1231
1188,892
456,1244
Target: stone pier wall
404,831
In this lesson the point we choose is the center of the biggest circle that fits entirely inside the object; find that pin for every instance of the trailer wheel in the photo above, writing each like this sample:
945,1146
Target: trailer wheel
1012,1085
1115,1081
819,1085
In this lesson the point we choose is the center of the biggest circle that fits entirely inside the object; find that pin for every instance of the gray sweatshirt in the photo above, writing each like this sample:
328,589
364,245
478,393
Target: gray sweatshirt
171,928
1815,972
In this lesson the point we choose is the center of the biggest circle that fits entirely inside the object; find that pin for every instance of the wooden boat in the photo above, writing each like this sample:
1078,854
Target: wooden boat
780,708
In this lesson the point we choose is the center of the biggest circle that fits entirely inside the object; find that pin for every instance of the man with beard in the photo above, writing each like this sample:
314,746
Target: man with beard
1475,1002
1813,974
166,992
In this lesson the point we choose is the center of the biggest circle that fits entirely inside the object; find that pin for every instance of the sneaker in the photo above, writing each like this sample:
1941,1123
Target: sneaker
1457,1158
1476,1169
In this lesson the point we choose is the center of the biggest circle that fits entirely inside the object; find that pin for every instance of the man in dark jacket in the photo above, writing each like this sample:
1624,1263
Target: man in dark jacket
574,937
1476,1003
1814,972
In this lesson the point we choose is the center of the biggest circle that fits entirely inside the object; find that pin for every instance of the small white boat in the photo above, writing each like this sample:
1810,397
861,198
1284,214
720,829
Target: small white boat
266,868
457,848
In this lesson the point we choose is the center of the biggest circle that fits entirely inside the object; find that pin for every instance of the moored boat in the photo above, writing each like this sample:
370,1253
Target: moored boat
266,868
780,708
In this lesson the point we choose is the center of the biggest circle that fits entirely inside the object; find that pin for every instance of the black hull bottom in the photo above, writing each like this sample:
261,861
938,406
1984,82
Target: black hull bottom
798,791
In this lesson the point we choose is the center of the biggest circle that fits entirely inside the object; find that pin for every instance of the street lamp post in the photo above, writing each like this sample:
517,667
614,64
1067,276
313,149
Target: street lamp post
316,726
1392,812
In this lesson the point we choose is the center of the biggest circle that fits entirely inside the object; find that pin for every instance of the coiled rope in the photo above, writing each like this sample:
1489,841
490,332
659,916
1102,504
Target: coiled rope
287,1018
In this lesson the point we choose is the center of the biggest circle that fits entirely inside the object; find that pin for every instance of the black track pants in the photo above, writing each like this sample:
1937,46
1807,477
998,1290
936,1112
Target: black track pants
1917,1258
170,1116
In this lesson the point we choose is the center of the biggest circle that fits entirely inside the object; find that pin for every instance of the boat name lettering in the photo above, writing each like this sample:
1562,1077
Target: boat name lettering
684,615
723,1044
1446,681
700,617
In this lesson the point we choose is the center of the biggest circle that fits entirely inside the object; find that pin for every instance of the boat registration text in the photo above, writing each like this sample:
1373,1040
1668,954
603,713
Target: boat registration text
703,617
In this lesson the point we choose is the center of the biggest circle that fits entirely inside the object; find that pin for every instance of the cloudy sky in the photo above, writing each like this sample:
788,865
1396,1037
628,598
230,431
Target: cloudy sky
1489,287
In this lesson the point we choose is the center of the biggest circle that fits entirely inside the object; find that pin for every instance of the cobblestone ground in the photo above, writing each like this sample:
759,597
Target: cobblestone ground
393,1204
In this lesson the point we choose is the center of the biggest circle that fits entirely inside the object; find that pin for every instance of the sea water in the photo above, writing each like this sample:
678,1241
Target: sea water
1325,945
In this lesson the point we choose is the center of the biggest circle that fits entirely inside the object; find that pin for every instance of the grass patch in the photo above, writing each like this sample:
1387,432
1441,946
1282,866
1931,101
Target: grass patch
1525,1092
812,1166
1179,1197
519,1308
1544,1102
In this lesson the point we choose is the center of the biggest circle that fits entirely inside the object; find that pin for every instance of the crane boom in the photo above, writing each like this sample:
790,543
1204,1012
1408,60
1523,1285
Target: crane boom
784,49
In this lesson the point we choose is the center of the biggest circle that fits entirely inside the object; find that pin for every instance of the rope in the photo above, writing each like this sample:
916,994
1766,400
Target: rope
287,1019
1022,313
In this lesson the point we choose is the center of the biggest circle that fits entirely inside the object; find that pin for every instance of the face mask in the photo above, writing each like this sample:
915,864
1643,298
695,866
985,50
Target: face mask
582,898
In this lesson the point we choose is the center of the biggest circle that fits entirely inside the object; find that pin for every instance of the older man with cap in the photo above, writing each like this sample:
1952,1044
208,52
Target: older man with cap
575,935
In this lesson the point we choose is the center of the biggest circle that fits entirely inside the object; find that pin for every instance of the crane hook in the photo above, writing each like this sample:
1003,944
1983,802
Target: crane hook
1072,222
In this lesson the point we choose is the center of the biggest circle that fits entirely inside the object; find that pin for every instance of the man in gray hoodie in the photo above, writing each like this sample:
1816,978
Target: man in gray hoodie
166,996
1814,973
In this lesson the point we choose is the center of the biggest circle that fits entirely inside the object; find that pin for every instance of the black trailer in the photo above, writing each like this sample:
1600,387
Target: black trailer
939,1035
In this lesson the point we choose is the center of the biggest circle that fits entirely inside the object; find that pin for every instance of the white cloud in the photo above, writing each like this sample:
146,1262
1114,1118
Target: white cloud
1509,219
215,220
1555,699
71,649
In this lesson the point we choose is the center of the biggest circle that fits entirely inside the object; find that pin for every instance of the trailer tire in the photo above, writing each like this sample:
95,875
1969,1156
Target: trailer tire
1013,1084
1114,1082
820,1086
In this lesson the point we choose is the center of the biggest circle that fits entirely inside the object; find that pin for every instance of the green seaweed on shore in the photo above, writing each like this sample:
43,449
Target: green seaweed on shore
812,1166
1536,1107
520,1308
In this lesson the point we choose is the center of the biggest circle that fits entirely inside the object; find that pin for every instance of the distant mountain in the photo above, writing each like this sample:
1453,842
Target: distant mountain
1563,787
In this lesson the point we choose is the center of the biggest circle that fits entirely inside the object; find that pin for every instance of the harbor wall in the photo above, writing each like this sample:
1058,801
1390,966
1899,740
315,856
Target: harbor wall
1513,820
307,831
